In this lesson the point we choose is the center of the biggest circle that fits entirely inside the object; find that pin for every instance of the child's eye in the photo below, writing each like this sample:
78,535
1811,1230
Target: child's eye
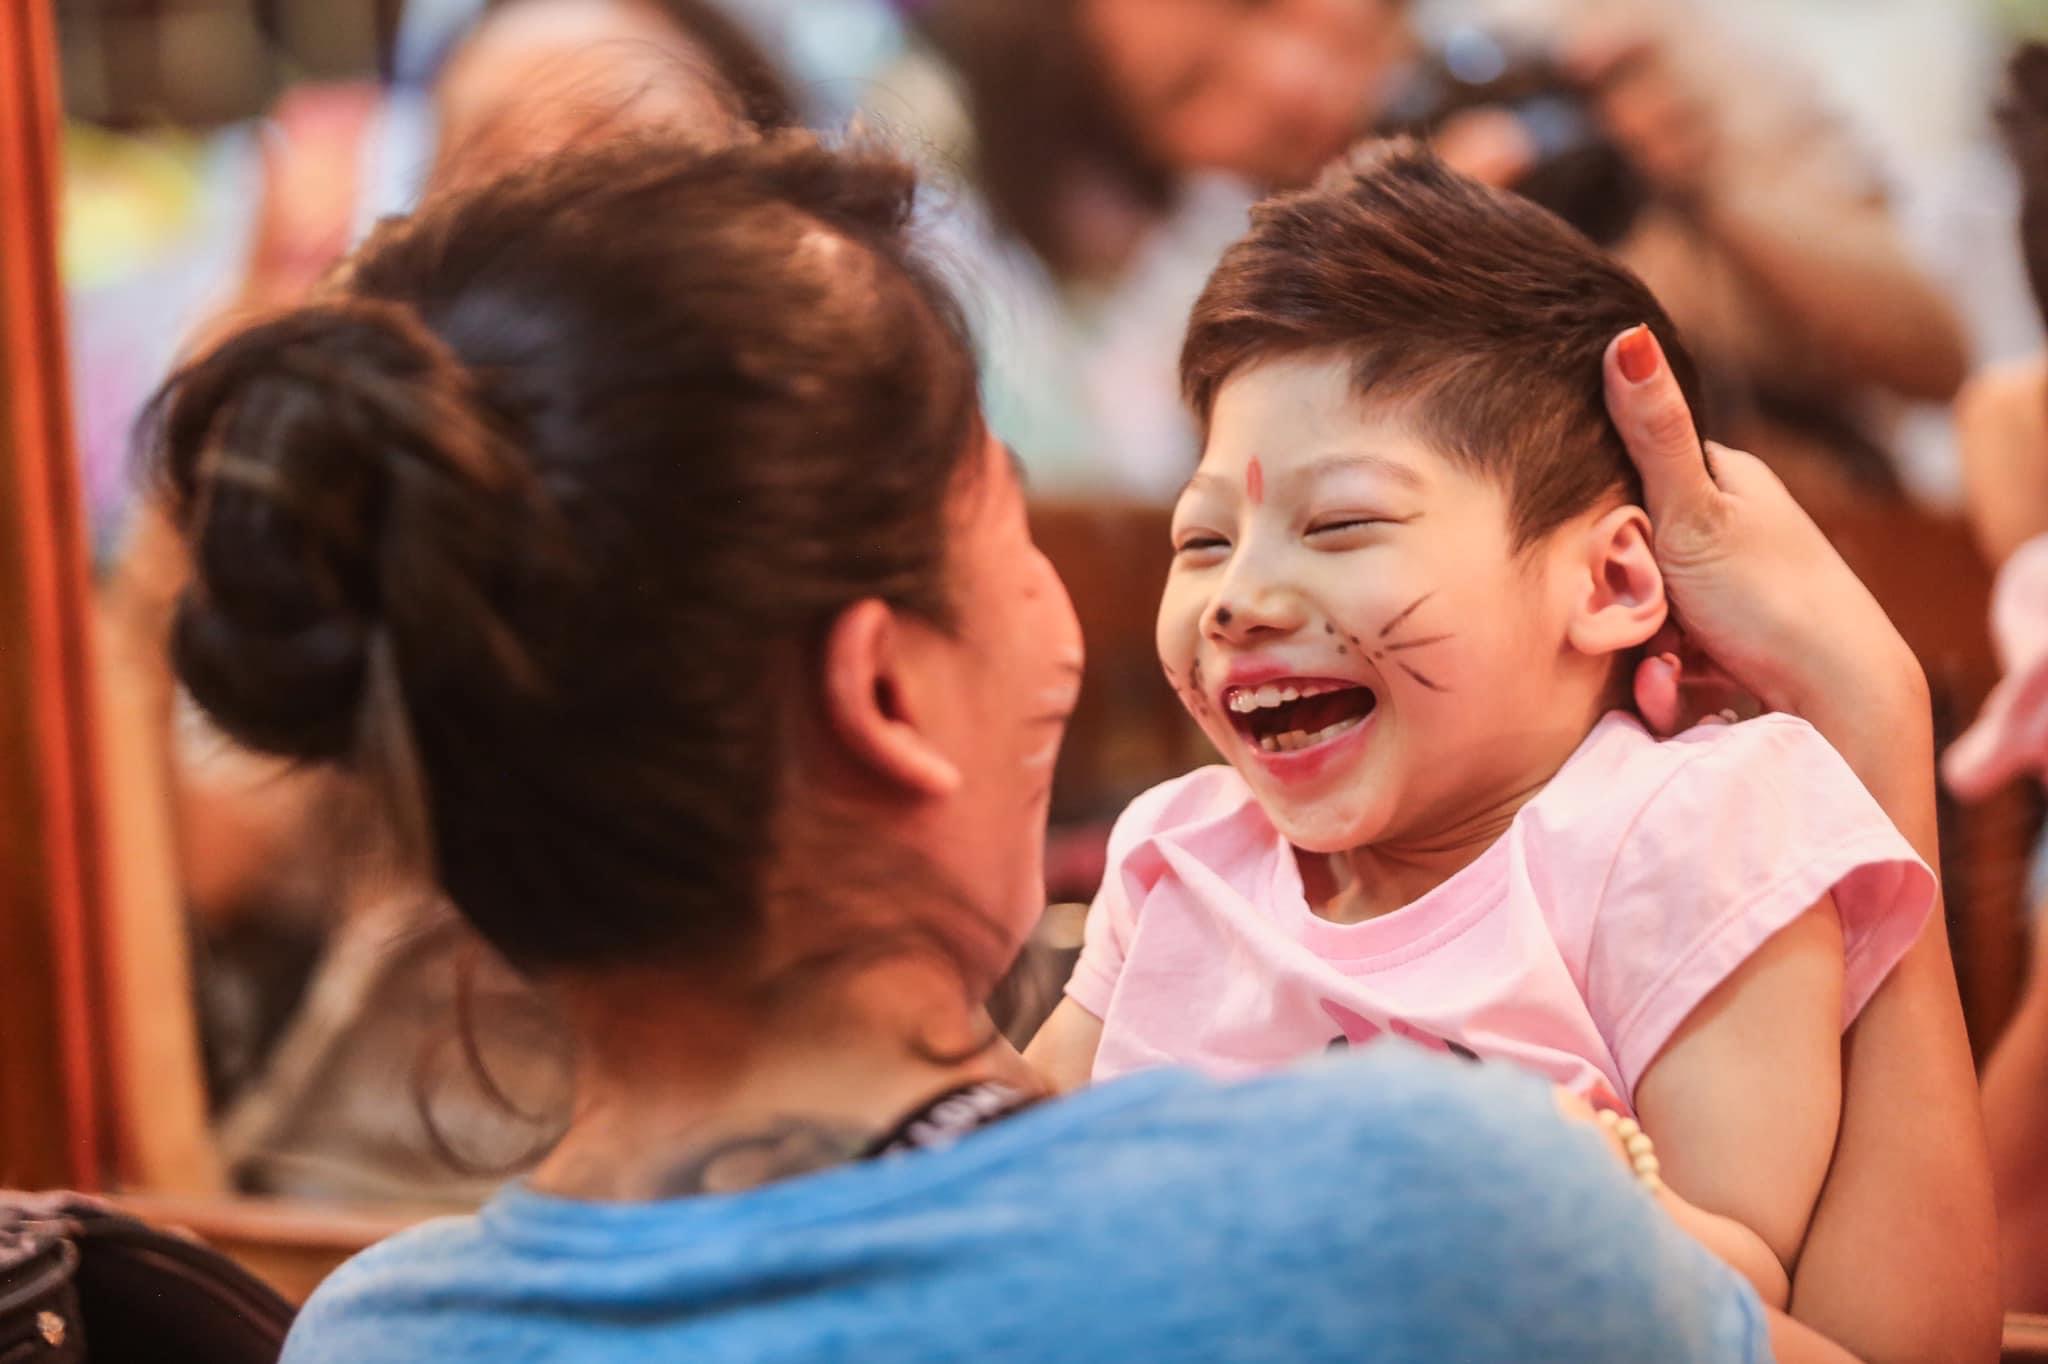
1352,523
1197,543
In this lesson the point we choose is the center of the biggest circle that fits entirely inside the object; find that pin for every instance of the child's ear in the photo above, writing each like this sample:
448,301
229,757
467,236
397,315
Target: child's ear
1622,598
875,683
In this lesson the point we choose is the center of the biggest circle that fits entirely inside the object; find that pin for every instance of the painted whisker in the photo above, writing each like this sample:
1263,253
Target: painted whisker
1402,646
1413,607
1420,678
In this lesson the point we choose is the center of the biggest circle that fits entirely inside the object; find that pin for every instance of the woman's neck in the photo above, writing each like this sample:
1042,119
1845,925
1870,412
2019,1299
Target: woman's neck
680,1092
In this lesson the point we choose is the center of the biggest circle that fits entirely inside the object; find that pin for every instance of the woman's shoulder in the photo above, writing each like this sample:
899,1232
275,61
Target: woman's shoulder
1233,1196
395,1277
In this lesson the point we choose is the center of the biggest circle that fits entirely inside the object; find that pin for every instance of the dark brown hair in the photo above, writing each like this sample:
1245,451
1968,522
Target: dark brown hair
1477,315
539,520
1048,130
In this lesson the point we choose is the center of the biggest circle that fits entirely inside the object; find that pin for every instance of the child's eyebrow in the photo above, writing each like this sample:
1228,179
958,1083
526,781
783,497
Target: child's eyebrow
1383,465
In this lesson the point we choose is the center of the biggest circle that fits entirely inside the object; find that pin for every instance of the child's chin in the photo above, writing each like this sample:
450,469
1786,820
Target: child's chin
1323,831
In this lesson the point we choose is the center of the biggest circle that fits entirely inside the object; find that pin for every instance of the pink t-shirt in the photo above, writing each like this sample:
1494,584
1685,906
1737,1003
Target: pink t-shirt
1635,882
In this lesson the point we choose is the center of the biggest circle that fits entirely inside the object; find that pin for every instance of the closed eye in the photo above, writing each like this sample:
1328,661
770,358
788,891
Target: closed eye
1352,523
1200,544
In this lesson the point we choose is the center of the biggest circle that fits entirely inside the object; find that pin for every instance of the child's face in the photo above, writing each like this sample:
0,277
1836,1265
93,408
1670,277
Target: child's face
1326,552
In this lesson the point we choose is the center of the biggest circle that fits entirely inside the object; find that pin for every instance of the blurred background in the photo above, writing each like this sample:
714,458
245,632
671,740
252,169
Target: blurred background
1819,189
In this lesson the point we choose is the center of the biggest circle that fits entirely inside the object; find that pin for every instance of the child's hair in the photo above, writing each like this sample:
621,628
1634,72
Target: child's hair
1477,316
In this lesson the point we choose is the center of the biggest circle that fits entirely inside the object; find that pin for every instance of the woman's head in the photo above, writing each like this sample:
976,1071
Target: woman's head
1412,508
636,514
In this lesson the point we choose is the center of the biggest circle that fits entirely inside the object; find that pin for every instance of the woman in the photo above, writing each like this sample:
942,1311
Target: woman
631,523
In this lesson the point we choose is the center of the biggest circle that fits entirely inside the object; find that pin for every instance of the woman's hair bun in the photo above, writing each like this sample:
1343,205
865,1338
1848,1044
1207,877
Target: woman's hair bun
318,461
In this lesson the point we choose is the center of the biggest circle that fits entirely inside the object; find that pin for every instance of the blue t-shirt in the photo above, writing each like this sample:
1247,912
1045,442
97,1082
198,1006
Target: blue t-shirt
1383,1206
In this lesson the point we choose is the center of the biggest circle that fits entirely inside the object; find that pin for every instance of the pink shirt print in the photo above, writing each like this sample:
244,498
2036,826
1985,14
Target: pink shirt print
1620,896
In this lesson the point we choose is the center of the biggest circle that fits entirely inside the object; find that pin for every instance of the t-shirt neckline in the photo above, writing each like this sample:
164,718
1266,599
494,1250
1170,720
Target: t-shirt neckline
1426,922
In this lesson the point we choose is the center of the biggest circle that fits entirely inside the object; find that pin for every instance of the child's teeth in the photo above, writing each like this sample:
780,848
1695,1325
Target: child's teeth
1290,694
1294,740
1267,696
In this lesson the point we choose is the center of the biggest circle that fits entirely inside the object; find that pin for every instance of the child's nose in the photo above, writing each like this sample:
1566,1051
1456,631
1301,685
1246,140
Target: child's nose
1242,618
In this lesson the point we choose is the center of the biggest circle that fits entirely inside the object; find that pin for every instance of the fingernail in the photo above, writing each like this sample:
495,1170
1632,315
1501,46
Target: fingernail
1669,660
1638,355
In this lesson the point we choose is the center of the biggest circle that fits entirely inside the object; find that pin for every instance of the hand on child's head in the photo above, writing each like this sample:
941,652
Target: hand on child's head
1747,571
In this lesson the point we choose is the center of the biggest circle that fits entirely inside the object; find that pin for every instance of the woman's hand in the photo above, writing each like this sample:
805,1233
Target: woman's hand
1756,587
1759,589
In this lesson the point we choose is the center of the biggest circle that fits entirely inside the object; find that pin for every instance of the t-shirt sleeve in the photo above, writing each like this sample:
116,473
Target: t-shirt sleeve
1753,825
1129,871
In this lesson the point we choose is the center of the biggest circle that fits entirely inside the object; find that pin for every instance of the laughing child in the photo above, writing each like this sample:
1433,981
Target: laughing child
1411,579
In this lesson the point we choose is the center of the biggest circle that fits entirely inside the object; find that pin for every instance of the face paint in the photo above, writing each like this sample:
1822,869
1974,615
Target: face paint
1412,608
1403,645
1255,482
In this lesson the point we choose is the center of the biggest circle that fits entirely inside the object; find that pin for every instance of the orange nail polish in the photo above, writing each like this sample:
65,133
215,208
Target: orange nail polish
1638,355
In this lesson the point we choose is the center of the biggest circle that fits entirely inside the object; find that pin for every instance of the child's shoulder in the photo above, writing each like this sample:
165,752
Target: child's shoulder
1622,773
1621,761
1193,800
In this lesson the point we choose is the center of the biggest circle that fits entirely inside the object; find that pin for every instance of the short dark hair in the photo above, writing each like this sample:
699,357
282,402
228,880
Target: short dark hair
540,520
1480,316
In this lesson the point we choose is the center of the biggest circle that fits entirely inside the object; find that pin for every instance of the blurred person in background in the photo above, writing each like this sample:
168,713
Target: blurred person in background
1755,218
2003,413
2003,420
1085,249
535,76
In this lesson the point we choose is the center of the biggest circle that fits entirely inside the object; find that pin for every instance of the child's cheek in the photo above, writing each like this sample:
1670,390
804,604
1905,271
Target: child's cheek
1191,688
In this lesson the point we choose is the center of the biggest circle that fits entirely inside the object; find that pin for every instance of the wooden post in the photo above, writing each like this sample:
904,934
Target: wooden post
54,1092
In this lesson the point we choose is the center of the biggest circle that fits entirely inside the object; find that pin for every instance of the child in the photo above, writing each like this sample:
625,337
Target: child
1410,581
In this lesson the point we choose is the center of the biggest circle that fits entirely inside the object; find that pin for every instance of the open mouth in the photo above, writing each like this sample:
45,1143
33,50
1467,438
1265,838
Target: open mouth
1290,715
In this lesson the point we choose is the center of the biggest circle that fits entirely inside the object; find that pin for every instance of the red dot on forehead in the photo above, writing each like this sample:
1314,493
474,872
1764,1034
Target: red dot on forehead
1255,481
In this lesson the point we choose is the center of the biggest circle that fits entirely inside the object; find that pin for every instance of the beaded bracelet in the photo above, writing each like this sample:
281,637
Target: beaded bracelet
1642,1152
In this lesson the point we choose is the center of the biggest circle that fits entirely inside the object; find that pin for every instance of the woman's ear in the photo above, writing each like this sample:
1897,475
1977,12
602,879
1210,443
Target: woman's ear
870,698
1623,603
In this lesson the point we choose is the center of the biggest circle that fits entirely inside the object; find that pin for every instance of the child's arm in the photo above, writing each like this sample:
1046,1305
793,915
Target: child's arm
1736,1245
1744,1102
1063,1051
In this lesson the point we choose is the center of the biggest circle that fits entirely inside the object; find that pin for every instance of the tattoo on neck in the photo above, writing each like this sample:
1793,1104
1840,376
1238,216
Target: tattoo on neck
784,1149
